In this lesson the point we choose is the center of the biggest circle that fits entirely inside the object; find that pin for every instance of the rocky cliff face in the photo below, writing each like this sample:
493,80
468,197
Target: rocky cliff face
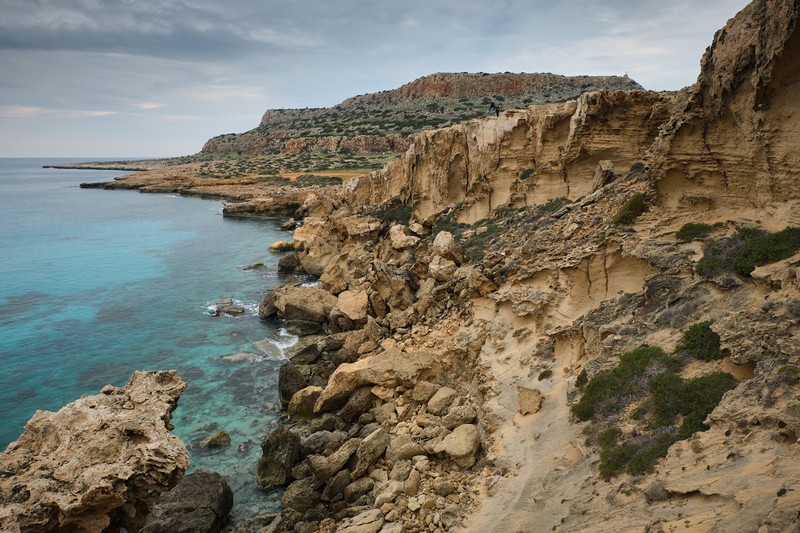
732,142
100,461
531,253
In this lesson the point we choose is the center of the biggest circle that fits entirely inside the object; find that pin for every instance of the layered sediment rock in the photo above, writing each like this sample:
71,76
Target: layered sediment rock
100,461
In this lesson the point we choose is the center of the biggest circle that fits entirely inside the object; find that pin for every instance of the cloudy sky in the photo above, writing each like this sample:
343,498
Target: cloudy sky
154,78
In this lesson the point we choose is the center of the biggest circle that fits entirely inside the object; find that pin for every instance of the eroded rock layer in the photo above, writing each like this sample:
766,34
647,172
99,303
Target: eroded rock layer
100,461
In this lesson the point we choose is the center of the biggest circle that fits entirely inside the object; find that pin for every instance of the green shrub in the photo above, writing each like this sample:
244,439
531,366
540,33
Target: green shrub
701,342
552,206
703,394
582,379
607,391
475,245
544,374
645,458
527,173
392,211
766,248
632,208
693,231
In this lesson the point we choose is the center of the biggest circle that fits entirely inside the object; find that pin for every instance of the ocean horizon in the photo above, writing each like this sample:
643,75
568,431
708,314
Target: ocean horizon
97,284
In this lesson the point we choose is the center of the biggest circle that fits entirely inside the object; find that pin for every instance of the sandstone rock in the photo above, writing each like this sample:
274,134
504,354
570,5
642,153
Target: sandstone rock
458,415
461,445
445,245
400,471
302,403
440,402
530,400
336,485
442,269
387,492
325,467
389,368
280,451
603,175
399,239
366,522
304,303
358,488
424,391
359,402
289,224
354,305
371,448
281,246
361,227
200,503
319,441
301,495
99,461
412,483
302,328
401,448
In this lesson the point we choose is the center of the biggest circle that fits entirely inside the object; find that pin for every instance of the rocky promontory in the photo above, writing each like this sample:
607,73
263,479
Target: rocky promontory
99,462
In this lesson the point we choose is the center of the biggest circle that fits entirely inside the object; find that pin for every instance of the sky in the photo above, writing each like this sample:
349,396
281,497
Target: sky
157,78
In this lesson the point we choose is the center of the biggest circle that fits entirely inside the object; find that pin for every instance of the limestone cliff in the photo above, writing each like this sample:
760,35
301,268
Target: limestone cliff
528,254
100,461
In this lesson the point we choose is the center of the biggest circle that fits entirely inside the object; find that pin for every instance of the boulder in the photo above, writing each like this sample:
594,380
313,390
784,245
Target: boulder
399,239
387,492
354,305
389,369
99,462
461,445
369,451
402,448
325,467
370,521
280,451
301,495
447,246
442,269
290,380
302,403
289,264
336,485
218,440
319,441
358,488
303,328
281,246
440,402
305,352
359,403
361,227
530,400
459,415
200,503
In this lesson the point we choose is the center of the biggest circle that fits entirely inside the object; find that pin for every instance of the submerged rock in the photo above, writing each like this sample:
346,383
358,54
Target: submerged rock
100,461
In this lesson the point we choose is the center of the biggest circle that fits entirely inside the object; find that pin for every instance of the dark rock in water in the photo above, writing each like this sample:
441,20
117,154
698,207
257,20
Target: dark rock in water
303,327
289,224
233,310
289,264
200,503
290,380
280,451
305,352
255,266
266,307
218,440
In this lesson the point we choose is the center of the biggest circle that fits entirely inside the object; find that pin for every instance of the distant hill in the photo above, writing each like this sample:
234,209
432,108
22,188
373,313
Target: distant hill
384,121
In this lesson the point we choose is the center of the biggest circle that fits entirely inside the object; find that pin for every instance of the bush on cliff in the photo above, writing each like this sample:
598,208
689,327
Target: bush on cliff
701,342
649,377
748,249
630,210
693,231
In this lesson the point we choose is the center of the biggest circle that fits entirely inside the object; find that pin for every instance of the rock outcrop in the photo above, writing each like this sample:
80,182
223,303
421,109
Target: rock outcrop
100,461
200,503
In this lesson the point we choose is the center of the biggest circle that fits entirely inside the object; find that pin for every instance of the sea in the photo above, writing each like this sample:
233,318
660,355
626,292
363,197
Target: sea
95,284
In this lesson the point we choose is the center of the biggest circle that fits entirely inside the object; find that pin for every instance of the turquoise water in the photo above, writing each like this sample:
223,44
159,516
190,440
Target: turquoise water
95,284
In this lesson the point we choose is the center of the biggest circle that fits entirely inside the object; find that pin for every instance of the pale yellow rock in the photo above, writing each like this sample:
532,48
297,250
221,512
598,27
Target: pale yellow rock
530,400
